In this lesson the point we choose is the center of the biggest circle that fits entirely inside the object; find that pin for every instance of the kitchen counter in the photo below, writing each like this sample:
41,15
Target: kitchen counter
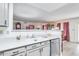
9,41
13,43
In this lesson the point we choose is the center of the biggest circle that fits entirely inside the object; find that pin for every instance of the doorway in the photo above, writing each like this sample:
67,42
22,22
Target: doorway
59,25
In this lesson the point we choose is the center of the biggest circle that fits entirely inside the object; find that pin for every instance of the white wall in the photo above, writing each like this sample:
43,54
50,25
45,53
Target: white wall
74,29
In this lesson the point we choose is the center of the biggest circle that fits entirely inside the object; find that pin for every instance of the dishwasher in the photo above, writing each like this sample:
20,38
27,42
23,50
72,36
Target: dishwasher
55,47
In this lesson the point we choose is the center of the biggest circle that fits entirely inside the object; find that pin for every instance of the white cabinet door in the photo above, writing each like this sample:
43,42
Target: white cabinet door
3,13
1,54
33,53
55,47
45,51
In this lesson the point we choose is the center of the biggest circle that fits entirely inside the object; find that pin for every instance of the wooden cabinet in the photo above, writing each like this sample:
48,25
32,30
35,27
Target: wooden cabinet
55,47
3,14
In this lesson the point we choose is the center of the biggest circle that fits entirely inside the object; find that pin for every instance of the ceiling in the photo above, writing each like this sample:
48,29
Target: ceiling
45,11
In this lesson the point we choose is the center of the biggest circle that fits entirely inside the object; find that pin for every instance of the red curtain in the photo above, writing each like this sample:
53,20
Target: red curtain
66,31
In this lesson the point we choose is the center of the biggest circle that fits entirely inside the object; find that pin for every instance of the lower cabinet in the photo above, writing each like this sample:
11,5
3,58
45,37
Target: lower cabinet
33,52
1,54
42,50
45,51
46,48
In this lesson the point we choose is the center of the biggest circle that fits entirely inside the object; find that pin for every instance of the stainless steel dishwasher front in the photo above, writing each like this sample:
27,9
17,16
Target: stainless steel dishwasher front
55,47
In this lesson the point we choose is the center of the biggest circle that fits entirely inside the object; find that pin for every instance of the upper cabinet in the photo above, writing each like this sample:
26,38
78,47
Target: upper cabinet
4,14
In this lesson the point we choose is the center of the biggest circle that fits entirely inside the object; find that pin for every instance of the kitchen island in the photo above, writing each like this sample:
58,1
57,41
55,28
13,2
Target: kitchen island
33,45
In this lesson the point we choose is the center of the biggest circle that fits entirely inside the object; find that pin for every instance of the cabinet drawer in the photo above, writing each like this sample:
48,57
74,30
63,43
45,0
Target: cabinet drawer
21,54
14,51
53,40
34,52
45,43
1,54
33,46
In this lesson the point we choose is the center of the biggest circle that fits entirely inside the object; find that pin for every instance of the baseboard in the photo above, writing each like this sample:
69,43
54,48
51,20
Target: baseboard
74,42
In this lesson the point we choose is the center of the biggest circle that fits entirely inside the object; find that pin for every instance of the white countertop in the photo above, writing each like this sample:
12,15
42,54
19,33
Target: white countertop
13,43
9,41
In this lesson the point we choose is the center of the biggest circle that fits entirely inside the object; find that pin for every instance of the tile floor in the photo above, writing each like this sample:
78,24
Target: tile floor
70,49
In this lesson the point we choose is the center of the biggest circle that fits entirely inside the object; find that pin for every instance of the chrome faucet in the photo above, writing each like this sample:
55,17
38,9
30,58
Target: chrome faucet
32,36
18,37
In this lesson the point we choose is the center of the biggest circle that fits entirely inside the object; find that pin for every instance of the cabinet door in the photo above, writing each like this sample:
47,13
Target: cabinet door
3,13
6,17
55,47
45,51
33,53
1,54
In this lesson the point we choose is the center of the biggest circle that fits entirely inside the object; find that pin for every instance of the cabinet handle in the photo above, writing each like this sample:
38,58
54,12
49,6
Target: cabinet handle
34,46
16,52
5,22
42,49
